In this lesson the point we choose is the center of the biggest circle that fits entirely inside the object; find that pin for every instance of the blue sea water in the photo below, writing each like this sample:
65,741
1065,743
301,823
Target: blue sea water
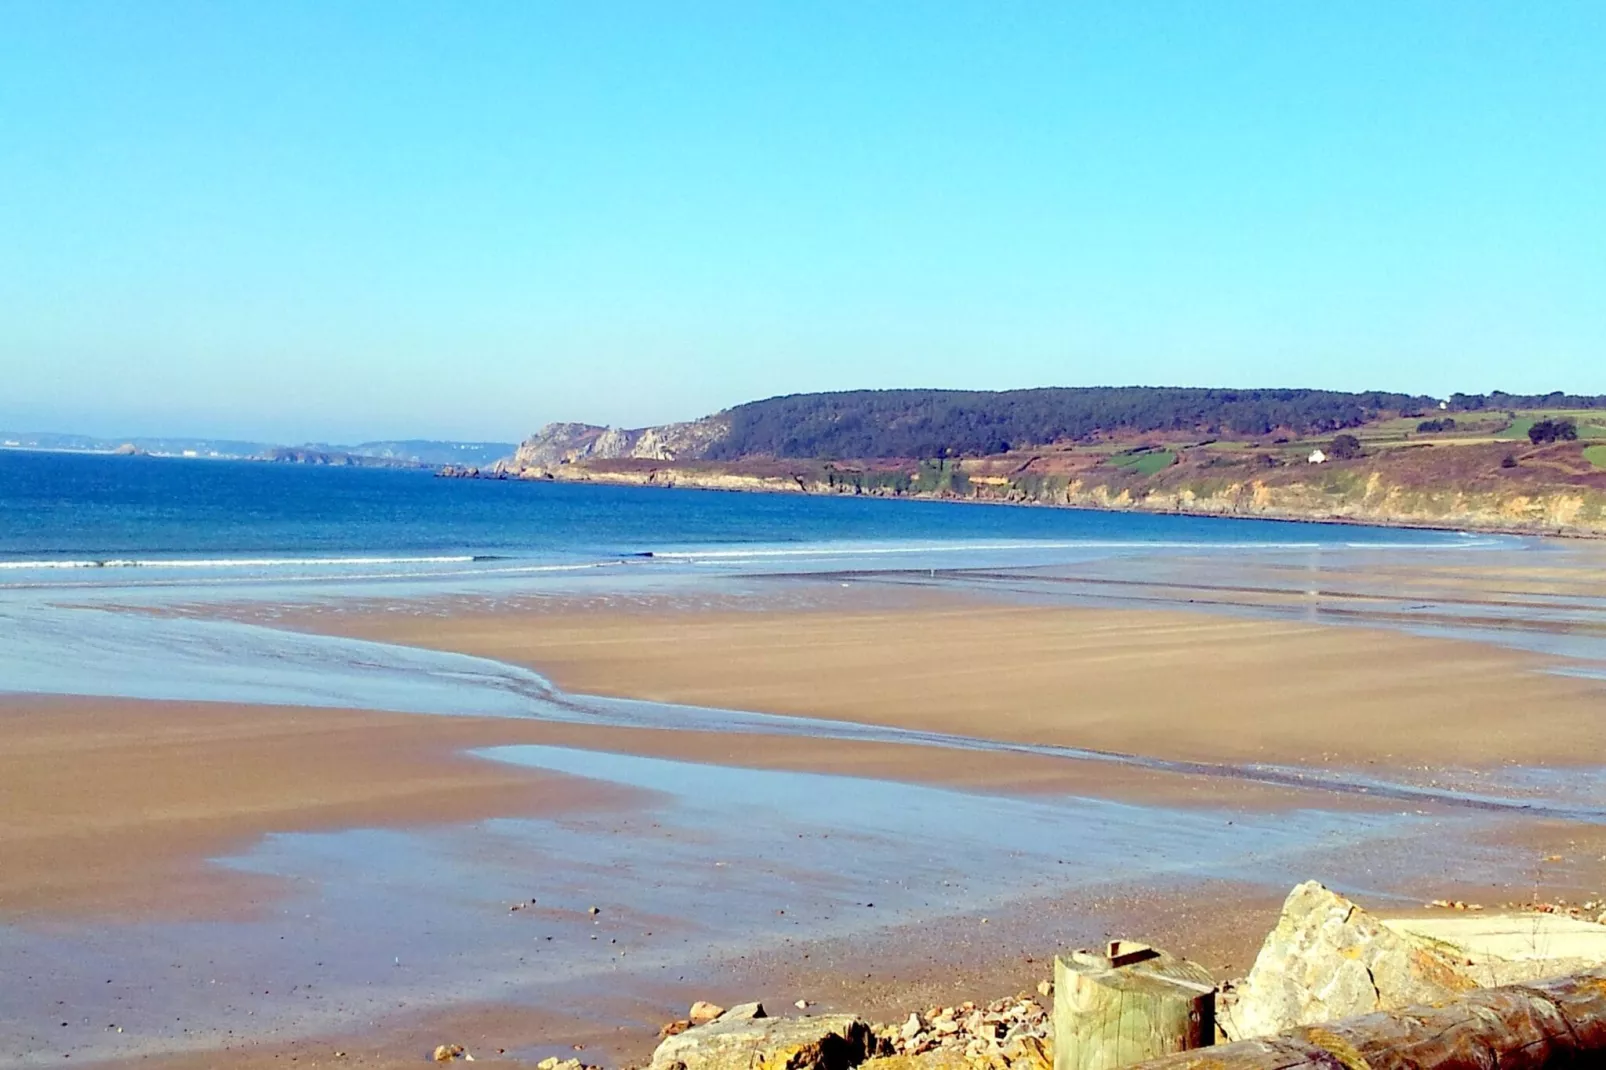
93,510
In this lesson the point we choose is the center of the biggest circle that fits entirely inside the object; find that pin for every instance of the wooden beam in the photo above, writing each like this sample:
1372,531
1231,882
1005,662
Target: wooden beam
1543,1026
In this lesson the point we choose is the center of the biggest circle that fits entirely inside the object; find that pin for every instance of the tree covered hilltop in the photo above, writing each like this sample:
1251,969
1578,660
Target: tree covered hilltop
932,423
1492,461
871,424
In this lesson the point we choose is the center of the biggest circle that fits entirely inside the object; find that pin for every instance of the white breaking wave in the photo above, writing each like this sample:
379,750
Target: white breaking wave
237,562
851,550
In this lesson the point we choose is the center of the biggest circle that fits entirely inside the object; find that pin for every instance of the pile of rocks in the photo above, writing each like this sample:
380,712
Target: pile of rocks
1007,1034
1593,910
1006,1030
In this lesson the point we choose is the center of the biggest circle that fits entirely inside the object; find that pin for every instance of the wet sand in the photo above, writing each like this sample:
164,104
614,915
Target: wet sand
1218,924
1167,684
111,807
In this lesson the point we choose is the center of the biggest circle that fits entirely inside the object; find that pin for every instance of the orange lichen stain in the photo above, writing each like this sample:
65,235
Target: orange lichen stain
1338,1047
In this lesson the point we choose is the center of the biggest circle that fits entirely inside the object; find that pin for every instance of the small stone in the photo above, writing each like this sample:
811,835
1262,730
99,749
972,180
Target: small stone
912,1028
703,1012
1045,988
802,1004
744,1012
594,911
445,1053
674,1029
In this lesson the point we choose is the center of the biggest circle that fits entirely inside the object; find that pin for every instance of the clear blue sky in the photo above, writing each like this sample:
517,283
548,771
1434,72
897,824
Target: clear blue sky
339,220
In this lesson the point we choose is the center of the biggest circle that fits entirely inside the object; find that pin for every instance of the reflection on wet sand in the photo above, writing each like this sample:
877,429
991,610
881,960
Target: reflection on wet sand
736,765
712,865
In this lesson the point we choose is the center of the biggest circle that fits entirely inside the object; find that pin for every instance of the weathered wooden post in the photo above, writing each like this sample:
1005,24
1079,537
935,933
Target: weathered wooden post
1130,1003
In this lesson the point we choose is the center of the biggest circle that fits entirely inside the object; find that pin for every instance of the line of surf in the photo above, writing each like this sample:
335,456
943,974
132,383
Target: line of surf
853,550
240,562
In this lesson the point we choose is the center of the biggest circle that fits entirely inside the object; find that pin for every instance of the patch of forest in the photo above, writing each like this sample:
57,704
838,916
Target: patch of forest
935,423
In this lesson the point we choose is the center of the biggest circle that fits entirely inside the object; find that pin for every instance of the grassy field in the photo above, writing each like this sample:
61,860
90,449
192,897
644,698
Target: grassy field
1591,423
1403,429
1154,453
1145,462
1596,455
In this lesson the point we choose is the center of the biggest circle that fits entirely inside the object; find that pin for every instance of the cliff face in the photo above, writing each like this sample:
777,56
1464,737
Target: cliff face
1551,510
561,444
1485,483
1543,497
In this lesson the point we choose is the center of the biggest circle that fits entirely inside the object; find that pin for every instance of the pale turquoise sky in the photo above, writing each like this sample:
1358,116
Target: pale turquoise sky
341,220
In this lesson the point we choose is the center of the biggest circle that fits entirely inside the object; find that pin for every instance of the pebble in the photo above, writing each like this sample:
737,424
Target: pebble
702,1012
552,1062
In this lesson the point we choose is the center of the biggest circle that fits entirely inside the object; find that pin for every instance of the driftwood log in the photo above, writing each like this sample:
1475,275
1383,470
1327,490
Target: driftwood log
1542,1026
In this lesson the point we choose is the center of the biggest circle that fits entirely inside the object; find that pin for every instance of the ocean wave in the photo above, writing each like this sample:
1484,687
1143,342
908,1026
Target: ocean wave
241,562
850,550
198,582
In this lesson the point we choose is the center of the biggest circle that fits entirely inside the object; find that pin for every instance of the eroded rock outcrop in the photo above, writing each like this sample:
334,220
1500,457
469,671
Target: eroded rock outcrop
1329,959
561,444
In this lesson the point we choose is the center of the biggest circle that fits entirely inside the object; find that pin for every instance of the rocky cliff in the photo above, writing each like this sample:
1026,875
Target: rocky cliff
1548,491
559,444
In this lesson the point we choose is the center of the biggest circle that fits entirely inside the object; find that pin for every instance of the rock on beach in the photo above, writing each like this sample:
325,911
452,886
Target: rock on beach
829,1042
1329,959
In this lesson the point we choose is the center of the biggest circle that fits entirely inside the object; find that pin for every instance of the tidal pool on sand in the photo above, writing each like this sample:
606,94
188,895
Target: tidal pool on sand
707,863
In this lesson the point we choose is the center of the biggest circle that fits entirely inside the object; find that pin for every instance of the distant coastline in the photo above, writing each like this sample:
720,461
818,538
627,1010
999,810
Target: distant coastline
1499,463
400,453
1362,499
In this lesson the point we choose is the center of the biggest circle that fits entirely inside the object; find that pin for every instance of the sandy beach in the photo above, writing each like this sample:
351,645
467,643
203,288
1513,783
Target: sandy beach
1175,685
1169,684
112,807
115,809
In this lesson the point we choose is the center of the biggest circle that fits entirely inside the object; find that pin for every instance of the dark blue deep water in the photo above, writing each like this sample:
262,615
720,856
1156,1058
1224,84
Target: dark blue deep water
62,507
